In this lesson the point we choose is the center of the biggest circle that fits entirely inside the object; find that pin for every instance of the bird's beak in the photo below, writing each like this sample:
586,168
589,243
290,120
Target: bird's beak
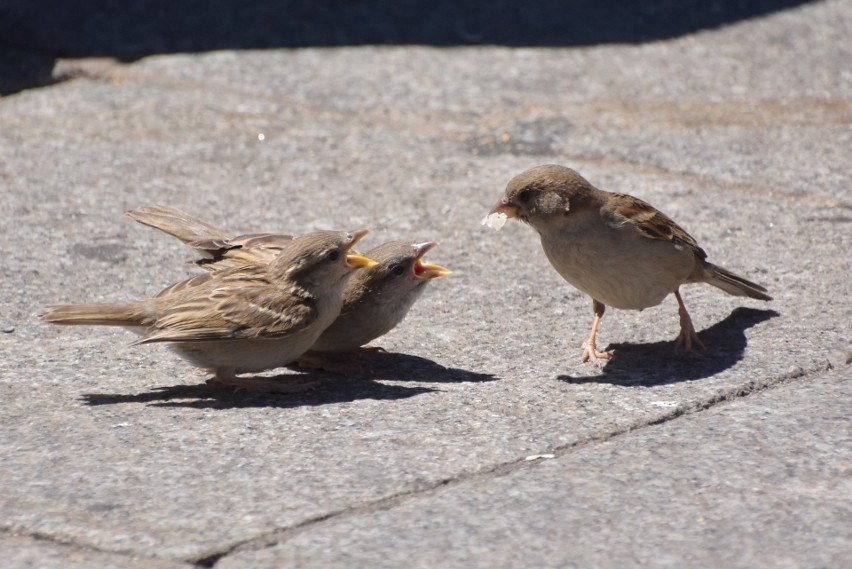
502,211
504,207
354,261
358,261
425,271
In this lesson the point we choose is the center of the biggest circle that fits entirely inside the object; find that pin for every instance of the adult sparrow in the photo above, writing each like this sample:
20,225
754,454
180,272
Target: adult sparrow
618,249
375,300
243,319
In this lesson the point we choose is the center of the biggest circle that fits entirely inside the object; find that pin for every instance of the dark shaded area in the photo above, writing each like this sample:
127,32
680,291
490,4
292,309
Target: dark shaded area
43,30
328,387
658,364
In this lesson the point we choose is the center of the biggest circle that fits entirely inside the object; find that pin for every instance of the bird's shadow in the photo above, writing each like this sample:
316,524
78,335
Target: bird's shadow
658,364
327,388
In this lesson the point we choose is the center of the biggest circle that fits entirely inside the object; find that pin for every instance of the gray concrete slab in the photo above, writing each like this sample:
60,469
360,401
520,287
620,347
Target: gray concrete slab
28,552
739,133
758,482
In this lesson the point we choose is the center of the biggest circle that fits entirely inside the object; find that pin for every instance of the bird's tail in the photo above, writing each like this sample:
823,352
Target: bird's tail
106,314
735,284
177,223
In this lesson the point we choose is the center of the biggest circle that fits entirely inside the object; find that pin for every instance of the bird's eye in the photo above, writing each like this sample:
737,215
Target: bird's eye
333,255
397,269
525,195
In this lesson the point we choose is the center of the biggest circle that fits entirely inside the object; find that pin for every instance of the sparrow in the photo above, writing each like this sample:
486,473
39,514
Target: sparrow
244,319
375,300
616,248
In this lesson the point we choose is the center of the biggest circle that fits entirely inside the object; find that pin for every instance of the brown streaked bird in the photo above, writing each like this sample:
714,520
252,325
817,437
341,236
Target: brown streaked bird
244,319
378,298
375,300
618,249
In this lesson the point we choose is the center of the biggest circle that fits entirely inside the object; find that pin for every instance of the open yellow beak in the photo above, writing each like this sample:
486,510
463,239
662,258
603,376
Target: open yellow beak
424,271
353,260
358,261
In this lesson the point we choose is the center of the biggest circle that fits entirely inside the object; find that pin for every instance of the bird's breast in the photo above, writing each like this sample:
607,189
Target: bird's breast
619,269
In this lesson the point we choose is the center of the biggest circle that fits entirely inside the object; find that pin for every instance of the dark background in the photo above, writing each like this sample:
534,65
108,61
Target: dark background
34,33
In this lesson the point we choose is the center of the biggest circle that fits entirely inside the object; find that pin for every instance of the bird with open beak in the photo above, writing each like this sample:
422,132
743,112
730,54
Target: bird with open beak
377,301
373,304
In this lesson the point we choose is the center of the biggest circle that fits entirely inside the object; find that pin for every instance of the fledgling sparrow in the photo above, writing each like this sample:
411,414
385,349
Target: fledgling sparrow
375,300
618,249
245,319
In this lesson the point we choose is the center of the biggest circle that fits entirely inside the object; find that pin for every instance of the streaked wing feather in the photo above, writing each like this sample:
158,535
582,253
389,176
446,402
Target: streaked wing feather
265,312
176,223
249,249
195,335
196,281
651,223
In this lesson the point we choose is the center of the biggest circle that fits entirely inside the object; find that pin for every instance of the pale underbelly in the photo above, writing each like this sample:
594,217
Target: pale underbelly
245,355
623,277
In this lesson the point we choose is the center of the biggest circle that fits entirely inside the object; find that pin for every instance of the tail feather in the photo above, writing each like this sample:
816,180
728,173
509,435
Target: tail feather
735,284
177,223
106,314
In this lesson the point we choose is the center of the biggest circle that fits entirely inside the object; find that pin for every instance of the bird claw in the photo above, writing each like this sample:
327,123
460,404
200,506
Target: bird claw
590,352
687,338
685,341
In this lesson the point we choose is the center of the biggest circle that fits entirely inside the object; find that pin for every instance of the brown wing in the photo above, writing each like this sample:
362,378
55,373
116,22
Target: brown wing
264,311
250,249
218,248
227,306
176,223
194,282
649,222
249,275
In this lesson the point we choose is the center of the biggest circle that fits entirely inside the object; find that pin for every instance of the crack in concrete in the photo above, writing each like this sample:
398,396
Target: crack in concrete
278,536
55,540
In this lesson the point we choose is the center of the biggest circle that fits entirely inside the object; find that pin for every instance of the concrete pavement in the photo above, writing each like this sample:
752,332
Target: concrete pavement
119,456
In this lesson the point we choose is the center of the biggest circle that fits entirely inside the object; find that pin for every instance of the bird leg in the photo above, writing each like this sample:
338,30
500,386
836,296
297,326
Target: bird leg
687,331
227,377
370,350
590,351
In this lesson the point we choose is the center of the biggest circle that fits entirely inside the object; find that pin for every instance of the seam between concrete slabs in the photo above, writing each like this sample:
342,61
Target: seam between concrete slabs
277,536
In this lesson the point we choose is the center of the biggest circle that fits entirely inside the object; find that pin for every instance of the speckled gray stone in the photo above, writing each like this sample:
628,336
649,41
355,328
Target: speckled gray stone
759,482
21,552
740,133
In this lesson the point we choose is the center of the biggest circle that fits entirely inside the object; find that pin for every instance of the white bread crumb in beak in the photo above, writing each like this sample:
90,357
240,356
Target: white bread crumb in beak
495,220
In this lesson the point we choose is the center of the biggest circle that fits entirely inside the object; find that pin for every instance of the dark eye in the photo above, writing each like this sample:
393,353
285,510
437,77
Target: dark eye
397,269
333,255
525,195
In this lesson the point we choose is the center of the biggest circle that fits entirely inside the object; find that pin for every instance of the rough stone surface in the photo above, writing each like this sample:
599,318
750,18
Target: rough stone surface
738,128
21,551
760,482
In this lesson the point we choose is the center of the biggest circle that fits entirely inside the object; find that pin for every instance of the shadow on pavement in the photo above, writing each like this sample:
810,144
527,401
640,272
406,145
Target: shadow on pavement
657,364
329,388
34,33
